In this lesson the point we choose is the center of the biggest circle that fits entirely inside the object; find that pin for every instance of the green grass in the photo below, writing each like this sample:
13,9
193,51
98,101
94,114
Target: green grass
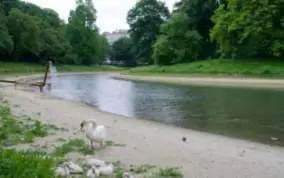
28,164
110,143
74,145
166,173
217,67
142,169
223,67
12,67
17,130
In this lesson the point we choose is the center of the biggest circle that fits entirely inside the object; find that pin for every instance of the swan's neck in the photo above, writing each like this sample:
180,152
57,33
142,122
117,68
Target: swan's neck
91,126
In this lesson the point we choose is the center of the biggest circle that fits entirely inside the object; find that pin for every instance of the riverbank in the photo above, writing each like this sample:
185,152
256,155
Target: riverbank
217,67
145,142
208,81
198,81
8,68
207,68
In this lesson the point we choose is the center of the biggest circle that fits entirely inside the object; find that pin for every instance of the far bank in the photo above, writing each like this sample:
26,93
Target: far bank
217,67
207,68
207,81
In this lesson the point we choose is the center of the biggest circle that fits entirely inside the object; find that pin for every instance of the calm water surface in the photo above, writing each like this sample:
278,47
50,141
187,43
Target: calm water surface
248,113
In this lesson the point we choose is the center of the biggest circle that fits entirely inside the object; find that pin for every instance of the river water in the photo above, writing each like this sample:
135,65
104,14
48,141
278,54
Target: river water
255,114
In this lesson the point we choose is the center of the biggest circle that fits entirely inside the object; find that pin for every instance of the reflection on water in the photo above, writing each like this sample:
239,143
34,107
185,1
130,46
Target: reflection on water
250,113
118,98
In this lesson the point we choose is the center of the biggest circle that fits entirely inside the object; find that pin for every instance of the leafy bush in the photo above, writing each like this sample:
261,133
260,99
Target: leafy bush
25,164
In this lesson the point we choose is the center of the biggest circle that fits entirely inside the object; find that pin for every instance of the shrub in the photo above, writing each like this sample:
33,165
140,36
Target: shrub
25,164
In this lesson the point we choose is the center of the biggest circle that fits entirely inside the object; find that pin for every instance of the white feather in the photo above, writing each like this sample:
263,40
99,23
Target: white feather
93,173
90,174
94,162
126,175
96,134
106,170
74,168
62,171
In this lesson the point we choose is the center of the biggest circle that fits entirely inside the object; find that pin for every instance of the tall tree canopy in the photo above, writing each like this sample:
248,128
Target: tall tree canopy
250,28
122,51
177,43
195,30
199,13
144,20
33,34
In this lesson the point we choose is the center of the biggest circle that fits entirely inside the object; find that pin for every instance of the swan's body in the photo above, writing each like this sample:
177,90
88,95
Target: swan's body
93,173
90,174
126,175
95,133
62,171
74,168
106,170
94,162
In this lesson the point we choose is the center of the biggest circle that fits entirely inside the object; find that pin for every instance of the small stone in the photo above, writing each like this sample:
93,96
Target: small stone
184,139
274,138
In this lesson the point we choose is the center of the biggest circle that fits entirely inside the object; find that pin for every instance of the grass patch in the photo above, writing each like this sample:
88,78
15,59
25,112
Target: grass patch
109,143
74,145
14,67
15,130
166,173
142,169
28,164
217,66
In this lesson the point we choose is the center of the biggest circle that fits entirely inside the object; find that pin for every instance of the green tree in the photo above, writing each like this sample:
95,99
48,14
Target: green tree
25,32
178,43
250,29
33,34
53,44
144,20
104,48
82,33
122,51
6,41
7,5
199,13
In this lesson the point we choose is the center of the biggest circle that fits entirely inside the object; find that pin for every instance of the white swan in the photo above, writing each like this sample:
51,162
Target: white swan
126,175
62,170
92,173
74,168
106,170
90,161
95,133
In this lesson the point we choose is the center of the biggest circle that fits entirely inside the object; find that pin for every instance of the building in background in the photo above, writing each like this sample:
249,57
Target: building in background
115,35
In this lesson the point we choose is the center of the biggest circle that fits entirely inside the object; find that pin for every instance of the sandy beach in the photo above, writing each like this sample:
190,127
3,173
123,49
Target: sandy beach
209,81
203,155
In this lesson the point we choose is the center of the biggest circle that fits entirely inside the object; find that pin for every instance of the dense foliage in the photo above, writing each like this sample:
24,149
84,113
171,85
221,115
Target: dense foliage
204,29
27,164
194,30
33,34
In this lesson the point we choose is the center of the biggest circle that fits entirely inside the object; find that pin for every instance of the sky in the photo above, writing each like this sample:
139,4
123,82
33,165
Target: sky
111,13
